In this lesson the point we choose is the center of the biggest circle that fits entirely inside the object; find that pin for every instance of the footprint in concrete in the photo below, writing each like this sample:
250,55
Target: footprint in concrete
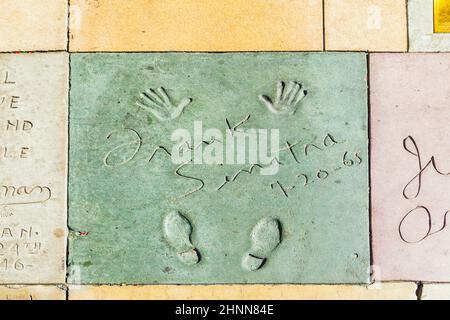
266,236
177,231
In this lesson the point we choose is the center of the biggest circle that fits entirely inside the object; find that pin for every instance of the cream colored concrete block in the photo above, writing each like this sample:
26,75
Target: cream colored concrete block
32,293
33,156
436,292
386,291
196,25
30,25
422,37
365,25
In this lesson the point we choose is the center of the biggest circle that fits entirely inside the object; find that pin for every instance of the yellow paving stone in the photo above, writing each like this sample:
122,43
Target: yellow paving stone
442,16
32,293
365,25
436,291
403,291
196,25
31,25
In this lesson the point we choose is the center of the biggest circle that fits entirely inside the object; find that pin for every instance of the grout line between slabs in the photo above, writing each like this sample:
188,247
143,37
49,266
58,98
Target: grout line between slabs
369,173
68,150
68,27
323,26
407,27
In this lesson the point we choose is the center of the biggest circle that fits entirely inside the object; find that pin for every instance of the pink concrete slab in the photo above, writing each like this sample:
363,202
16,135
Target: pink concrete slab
410,120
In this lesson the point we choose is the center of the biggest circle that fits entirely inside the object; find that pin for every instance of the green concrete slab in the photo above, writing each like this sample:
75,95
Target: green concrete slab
139,215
